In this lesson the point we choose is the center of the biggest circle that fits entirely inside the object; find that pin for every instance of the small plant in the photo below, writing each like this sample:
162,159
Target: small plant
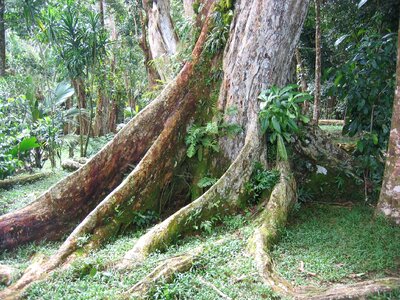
222,18
144,219
206,182
304,195
200,138
261,180
280,111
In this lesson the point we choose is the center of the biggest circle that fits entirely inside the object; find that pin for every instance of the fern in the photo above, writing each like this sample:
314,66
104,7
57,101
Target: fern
206,182
199,138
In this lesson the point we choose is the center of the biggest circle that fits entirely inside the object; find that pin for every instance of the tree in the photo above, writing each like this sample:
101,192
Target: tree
102,201
188,8
318,55
162,38
2,39
389,200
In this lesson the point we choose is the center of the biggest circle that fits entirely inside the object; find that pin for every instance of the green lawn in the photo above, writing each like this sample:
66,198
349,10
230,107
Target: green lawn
337,245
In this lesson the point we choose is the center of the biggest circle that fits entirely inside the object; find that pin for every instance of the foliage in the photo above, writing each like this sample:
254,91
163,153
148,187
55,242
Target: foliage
13,131
222,18
206,182
203,138
366,83
280,111
261,180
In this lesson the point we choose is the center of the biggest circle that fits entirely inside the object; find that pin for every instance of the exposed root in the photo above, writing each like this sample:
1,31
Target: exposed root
23,179
273,219
316,145
164,273
357,290
223,197
151,173
95,223
209,284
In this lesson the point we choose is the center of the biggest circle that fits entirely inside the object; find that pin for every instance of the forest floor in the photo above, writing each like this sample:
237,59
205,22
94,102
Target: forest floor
323,244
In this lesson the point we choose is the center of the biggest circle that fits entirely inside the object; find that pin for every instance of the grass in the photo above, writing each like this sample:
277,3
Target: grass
337,245
336,132
19,196
334,244
226,266
332,128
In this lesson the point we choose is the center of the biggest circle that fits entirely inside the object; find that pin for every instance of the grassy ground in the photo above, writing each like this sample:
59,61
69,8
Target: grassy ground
327,244
226,266
21,195
323,245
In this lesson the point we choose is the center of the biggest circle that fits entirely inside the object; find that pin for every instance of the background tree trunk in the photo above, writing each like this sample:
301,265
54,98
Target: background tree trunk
389,200
101,12
105,119
152,74
317,92
301,75
162,38
188,8
2,39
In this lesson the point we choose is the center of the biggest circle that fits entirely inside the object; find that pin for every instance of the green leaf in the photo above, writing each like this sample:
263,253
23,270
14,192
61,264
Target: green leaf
275,124
25,145
281,148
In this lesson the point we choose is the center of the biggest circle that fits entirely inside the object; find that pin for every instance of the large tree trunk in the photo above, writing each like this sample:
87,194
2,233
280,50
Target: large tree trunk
2,39
258,55
55,212
389,200
317,90
162,38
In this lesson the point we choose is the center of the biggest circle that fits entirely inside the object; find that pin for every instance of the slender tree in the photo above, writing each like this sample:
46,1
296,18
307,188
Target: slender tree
389,200
2,39
317,91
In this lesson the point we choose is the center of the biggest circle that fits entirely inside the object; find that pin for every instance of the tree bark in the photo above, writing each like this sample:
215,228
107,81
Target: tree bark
153,77
101,12
317,92
389,199
258,56
2,39
301,75
188,9
162,38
